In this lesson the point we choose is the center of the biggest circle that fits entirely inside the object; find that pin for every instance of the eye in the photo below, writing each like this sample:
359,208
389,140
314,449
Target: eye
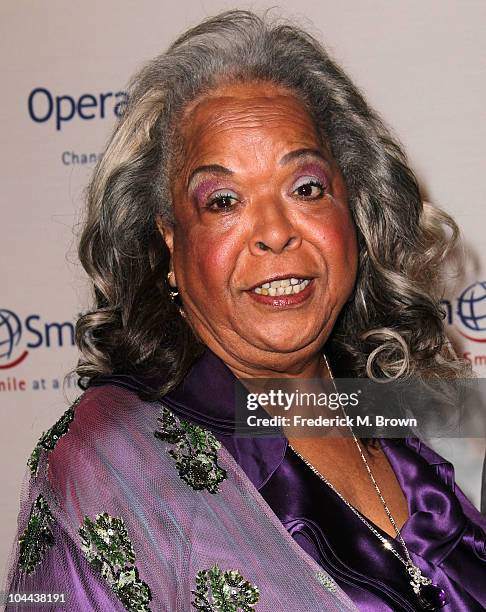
309,188
222,200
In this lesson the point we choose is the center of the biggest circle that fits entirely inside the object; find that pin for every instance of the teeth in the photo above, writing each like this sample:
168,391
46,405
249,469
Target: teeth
285,286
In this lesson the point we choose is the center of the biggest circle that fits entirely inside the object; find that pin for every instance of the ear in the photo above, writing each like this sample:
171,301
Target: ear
167,232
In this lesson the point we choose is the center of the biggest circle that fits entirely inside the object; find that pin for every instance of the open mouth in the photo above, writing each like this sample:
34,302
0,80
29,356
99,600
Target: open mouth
282,292
283,286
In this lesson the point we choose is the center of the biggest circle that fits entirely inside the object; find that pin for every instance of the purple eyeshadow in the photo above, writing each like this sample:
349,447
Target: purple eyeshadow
314,170
203,189
206,186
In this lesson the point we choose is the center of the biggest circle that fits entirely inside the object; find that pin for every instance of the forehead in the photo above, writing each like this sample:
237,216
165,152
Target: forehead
246,111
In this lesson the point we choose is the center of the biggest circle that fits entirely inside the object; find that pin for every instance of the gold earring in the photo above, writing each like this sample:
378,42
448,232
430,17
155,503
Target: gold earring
173,292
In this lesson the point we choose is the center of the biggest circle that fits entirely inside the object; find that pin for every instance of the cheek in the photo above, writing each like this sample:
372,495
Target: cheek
206,260
341,233
337,242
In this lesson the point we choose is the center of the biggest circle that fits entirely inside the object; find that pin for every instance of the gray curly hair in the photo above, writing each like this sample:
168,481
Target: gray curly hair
393,325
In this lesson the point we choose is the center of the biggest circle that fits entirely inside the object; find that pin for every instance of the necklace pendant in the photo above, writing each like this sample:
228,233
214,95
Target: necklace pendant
431,596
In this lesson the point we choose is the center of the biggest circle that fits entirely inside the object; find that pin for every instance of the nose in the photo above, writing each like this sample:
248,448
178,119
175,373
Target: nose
273,231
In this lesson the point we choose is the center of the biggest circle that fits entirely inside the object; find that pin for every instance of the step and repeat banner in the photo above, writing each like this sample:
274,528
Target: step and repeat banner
65,66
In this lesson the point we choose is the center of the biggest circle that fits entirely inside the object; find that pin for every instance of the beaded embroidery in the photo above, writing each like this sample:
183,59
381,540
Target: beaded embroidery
326,581
108,549
37,536
218,591
50,438
195,452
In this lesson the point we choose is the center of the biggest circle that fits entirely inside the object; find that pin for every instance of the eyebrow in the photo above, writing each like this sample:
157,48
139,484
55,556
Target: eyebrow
210,168
286,159
299,153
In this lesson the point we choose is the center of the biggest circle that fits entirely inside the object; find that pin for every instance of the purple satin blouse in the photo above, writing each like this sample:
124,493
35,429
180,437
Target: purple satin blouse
445,534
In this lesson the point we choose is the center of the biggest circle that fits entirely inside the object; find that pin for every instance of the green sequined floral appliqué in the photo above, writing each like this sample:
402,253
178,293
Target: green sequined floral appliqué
49,439
195,452
326,582
108,549
218,591
37,536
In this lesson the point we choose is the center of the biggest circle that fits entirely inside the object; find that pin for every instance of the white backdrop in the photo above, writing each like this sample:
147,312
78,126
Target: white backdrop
65,66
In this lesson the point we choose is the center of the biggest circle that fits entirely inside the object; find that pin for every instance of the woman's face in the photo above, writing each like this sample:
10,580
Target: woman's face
263,247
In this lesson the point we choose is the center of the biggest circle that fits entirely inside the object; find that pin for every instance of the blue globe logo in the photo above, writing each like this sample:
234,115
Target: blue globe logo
471,306
10,332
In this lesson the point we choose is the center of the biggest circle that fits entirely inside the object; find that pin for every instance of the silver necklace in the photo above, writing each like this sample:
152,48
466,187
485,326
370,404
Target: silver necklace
430,596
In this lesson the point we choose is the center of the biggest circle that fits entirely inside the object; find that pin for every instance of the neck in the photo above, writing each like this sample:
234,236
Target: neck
284,367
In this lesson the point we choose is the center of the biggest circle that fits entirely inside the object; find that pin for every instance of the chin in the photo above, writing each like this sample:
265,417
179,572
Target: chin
291,341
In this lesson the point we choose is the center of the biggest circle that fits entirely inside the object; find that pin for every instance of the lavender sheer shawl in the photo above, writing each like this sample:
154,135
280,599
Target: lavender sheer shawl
109,461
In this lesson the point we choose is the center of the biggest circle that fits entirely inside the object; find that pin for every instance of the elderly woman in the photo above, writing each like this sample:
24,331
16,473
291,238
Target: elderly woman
251,218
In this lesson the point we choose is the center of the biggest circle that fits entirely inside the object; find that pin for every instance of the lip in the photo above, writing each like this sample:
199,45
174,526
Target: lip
284,301
279,277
